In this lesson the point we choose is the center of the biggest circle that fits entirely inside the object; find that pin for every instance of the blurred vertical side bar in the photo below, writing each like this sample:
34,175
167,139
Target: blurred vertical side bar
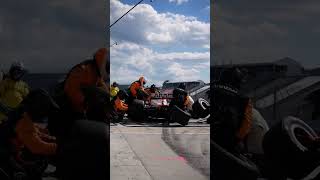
107,45
212,20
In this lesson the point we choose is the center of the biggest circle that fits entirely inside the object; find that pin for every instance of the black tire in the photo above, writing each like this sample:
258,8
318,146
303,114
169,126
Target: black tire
117,117
136,110
20,176
120,117
200,108
85,154
226,165
14,176
209,119
287,155
114,118
166,123
180,116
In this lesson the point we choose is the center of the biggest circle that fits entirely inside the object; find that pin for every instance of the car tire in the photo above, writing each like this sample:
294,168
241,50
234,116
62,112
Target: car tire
209,119
227,165
180,116
200,108
136,110
286,154
120,117
166,123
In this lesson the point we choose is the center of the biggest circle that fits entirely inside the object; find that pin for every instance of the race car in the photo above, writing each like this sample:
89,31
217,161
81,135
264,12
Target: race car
164,104
150,104
157,105
159,102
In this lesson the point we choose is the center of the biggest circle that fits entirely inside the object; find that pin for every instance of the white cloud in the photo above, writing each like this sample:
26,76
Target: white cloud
178,1
130,60
160,46
159,38
144,25
202,66
181,73
183,56
135,51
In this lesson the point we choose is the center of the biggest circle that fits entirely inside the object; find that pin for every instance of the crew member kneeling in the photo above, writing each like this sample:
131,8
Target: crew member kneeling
21,132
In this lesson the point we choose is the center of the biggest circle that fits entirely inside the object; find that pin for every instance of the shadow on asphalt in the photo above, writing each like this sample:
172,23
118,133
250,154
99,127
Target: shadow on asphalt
175,142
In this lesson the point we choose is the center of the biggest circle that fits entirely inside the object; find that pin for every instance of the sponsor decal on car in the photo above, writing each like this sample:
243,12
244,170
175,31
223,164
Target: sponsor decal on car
162,96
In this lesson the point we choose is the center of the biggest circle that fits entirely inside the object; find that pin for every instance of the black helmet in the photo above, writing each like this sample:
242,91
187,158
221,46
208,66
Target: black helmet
153,88
38,104
17,71
115,84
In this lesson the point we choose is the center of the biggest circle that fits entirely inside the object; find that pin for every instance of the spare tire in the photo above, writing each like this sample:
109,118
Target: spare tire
136,110
286,153
180,116
200,108
226,165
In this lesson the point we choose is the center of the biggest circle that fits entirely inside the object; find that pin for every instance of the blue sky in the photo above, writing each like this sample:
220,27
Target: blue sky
196,8
163,39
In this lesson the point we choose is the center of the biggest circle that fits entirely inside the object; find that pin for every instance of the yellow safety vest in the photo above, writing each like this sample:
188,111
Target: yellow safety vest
12,93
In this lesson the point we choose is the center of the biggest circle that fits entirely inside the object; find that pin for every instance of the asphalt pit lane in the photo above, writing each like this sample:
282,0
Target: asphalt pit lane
176,158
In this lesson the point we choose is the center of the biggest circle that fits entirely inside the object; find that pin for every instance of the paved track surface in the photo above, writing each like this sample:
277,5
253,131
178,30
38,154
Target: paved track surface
149,151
